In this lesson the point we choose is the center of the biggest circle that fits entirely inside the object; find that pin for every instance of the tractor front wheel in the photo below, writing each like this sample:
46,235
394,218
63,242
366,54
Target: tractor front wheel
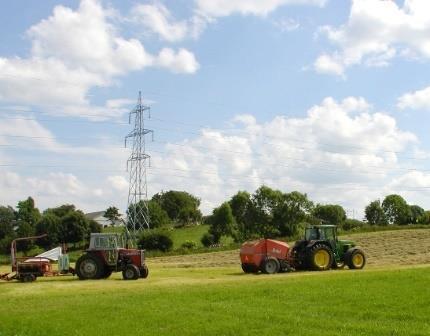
270,266
320,257
355,258
89,267
144,272
131,272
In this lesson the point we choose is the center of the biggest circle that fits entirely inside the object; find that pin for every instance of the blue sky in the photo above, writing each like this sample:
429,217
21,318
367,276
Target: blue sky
330,98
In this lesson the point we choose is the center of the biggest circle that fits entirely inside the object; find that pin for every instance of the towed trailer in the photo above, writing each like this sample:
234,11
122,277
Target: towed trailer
28,269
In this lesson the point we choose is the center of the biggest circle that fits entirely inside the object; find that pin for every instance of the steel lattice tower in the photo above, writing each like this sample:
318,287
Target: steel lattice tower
138,216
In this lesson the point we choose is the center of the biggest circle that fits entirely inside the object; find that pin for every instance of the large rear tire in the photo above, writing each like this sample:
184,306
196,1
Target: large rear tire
320,257
270,266
355,258
89,267
131,272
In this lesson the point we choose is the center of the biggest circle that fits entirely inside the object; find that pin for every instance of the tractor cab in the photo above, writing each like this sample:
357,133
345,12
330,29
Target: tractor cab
104,241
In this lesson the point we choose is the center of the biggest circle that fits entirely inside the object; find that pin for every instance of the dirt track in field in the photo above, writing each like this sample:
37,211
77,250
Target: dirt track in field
388,248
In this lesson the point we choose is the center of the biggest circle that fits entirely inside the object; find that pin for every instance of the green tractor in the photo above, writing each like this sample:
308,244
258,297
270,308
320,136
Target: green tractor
321,250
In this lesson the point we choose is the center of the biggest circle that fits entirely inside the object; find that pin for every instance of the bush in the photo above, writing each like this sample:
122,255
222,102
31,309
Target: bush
352,224
189,245
156,240
209,240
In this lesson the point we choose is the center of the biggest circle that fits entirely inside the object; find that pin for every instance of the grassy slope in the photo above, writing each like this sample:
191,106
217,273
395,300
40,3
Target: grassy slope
222,301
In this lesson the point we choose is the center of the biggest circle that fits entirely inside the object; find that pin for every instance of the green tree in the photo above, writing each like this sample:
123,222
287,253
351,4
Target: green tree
61,210
180,206
425,218
292,209
330,213
27,212
73,227
156,240
112,213
396,210
222,221
7,218
374,214
49,224
25,230
157,216
240,205
416,213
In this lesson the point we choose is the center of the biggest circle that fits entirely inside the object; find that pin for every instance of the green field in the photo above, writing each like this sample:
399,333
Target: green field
222,301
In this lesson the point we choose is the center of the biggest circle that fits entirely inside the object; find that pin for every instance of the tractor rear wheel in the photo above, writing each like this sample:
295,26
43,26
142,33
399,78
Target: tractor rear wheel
320,257
270,266
355,258
89,267
131,272
144,272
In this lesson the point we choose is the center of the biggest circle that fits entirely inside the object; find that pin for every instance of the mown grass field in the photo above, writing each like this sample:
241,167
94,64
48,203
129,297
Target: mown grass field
207,294
223,301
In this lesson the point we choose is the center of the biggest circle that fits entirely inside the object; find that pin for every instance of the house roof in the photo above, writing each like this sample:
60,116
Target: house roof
93,215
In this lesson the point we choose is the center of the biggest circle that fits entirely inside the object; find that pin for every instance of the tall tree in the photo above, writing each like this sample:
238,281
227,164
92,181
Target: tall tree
112,213
330,213
180,206
416,213
375,214
27,212
222,221
7,218
73,227
49,224
396,210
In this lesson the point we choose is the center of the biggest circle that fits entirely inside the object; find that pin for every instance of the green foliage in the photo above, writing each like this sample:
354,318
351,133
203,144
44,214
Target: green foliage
27,212
189,245
93,227
352,224
396,210
49,224
61,210
112,213
7,217
425,218
416,213
222,221
157,215
156,240
180,206
374,213
25,230
73,227
209,240
330,214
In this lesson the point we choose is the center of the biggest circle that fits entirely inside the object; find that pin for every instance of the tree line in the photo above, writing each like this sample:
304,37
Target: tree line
272,213
63,224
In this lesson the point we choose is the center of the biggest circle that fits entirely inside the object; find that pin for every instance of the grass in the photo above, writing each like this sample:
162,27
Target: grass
222,301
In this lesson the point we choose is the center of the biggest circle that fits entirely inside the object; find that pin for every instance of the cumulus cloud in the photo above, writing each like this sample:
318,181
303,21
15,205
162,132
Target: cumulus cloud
375,33
417,100
339,146
74,51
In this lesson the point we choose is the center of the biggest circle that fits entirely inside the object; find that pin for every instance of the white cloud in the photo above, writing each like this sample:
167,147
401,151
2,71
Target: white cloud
219,8
118,183
74,51
418,100
377,31
342,144
287,25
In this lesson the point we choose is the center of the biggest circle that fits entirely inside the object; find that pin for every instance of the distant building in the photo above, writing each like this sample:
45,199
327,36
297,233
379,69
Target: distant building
98,216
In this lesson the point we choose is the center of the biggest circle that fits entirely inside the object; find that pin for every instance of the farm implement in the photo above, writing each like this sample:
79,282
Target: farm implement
319,250
28,269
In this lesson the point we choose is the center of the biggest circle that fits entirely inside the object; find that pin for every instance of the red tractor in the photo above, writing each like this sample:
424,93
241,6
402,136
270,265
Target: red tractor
319,250
106,254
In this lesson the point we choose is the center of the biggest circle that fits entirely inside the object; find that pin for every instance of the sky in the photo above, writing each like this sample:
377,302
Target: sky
327,97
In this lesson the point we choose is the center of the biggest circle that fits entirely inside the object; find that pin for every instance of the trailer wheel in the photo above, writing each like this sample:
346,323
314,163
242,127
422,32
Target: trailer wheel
270,266
131,272
355,258
144,272
89,267
28,278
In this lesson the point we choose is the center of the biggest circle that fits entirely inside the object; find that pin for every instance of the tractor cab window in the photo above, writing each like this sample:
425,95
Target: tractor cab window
312,234
105,242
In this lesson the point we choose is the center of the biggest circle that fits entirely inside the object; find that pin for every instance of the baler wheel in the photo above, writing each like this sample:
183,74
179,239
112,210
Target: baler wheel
355,258
320,257
89,267
28,278
270,266
131,272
